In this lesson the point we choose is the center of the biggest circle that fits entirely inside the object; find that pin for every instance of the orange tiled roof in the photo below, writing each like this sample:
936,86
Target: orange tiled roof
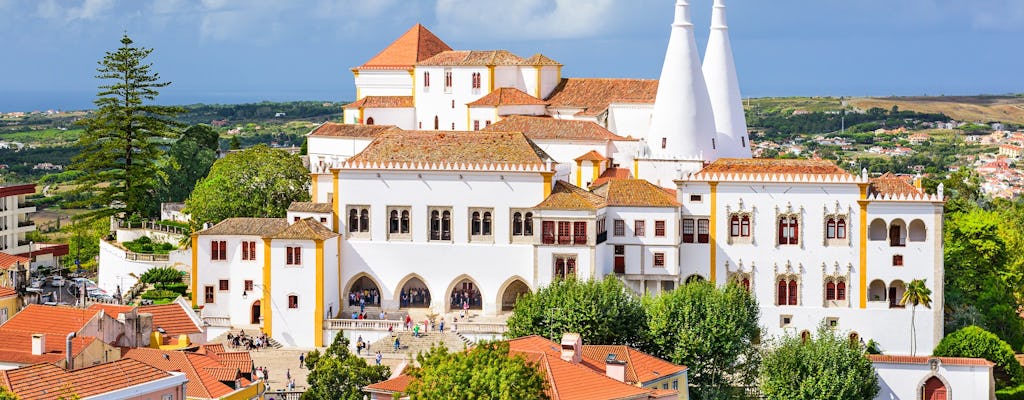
8,260
47,381
57,320
891,184
473,58
381,102
334,129
593,95
111,309
773,166
7,292
172,318
612,173
545,128
16,347
507,96
475,147
305,229
959,361
247,226
415,45
540,59
397,384
640,367
565,196
634,193
310,207
592,155
201,383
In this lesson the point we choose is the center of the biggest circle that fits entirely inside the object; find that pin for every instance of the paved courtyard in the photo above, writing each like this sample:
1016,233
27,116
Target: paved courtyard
279,361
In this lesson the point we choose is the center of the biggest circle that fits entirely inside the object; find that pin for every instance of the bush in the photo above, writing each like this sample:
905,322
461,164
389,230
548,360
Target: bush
1011,393
143,240
179,288
157,294
161,275
973,341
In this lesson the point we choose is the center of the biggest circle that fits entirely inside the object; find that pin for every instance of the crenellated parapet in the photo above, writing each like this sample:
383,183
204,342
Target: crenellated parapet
459,167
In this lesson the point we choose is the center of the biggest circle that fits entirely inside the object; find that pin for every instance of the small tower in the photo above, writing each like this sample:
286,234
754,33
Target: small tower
682,123
724,89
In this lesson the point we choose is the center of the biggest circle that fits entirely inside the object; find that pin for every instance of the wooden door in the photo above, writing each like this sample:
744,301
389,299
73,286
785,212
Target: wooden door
934,389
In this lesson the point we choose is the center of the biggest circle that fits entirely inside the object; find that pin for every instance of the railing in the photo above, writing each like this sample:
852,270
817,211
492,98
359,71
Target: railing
482,327
25,223
602,237
131,256
26,204
364,324
218,321
282,395
152,226
24,242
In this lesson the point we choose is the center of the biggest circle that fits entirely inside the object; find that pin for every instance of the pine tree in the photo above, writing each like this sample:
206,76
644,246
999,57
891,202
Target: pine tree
120,145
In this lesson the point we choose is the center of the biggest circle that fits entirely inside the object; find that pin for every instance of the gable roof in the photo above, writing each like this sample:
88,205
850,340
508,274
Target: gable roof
173,318
593,95
640,367
334,129
444,147
592,155
958,361
762,166
305,229
381,102
610,174
415,45
472,58
310,207
566,196
202,383
891,184
507,96
9,260
16,347
47,381
56,320
247,227
547,128
540,59
634,193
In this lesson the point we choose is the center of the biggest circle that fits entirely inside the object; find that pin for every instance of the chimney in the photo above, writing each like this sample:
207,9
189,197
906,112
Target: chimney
615,368
572,348
38,344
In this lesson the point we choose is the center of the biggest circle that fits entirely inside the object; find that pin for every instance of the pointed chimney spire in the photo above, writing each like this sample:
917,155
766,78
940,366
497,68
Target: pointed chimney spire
682,124
724,89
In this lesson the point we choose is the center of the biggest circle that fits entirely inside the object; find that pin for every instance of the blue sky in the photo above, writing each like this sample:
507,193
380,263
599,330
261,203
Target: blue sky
232,51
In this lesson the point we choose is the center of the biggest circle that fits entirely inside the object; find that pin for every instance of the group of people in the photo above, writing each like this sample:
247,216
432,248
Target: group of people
248,342
415,297
465,299
364,297
363,315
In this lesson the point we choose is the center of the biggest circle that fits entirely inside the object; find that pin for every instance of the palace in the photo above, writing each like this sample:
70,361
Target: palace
461,179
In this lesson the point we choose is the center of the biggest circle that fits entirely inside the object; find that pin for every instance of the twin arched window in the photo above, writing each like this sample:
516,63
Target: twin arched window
739,226
835,290
835,228
440,225
398,221
788,290
789,229
480,223
358,219
522,223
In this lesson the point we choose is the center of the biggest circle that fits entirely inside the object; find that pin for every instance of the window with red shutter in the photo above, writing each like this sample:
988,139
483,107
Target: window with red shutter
579,233
659,228
224,284
564,232
745,226
703,231
619,227
688,231
841,291
638,228
792,292
830,291
659,259
782,295
547,229
734,226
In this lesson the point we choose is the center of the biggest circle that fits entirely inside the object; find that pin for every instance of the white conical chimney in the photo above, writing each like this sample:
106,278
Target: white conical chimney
724,89
682,124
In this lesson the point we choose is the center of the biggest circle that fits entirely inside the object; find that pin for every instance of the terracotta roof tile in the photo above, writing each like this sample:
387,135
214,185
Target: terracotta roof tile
172,318
57,320
381,102
592,155
16,347
612,173
507,97
305,229
773,166
247,226
891,184
333,129
539,59
545,128
475,147
634,193
310,207
47,381
593,95
223,374
111,309
416,44
565,196
958,361
7,292
9,260
472,58
201,383
640,367
397,384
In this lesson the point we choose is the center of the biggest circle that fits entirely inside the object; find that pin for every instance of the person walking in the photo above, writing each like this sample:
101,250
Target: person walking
379,357
302,359
397,344
288,374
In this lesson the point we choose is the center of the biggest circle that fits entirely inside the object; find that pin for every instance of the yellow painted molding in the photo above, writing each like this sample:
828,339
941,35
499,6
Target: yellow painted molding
579,173
712,223
468,126
636,169
361,121
537,94
195,270
547,183
597,170
863,248
490,78
335,202
265,302
318,320
312,187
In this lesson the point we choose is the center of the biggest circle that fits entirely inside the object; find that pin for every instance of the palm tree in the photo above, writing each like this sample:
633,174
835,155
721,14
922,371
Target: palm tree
917,293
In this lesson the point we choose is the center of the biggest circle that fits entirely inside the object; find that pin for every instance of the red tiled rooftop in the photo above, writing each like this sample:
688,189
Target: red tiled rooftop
7,292
592,155
593,95
640,367
507,97
47,381
634,193
415,45
394,385
334,129
546,128
381,102
475,147
58,320
8,260
891,184
201,383
172,318
473,58
612,173
958,361
565,196
772,166
16,347
111,309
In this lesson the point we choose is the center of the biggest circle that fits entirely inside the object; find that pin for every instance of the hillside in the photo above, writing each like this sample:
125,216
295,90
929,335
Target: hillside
962,108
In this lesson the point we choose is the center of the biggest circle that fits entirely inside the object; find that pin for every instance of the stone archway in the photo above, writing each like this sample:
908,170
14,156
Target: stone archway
510,292
414,293
363,289
934,388
464,293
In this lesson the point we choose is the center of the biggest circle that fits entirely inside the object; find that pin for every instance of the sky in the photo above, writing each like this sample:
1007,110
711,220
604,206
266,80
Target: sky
234,51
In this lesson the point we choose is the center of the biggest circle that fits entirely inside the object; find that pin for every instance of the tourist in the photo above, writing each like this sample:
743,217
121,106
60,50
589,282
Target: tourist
442,325
302,359
397,344
416,331
379,357
288,374
382,315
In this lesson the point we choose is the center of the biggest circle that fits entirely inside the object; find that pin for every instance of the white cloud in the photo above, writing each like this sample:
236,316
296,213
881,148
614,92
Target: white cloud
1000,15
342,10
224,20
87,10
527,19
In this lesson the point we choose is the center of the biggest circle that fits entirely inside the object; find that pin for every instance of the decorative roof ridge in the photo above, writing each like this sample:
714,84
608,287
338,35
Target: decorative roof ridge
774,177
450,166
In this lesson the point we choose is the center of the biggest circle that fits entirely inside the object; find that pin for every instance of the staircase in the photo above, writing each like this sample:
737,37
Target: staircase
223,338
411,346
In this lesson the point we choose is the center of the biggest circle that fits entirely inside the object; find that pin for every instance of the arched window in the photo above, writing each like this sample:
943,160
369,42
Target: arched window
517,224
841,291
528,224
487,223
435,225
805,336
783,297
393,222
830,291
746,283
841,228
369,121
446,225
353,220
830,228
426,79
437,123
876,230
734,225
789,230
792,292
745,226
364,220
293,301
475,226
404,227
917,232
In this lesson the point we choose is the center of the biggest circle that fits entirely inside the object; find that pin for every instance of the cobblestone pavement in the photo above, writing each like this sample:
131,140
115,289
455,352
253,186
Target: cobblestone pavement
278,362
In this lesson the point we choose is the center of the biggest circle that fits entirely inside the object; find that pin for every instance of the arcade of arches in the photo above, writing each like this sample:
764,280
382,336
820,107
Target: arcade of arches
364,292
414,294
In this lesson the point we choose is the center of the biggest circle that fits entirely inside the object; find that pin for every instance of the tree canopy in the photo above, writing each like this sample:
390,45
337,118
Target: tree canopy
973,341
188,160
602,312
120,145
338,374
826,366
711,330
255,182
486,371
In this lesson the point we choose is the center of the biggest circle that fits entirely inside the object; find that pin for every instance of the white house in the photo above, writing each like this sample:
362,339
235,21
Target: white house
906,377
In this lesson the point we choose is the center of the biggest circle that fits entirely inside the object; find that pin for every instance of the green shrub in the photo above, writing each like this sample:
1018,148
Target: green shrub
155,294
1011,393
973,341
179,288
161,275
142,240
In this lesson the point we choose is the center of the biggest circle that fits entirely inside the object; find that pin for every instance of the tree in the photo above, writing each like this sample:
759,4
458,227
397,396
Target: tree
188,160
711,330
305,147
602,312
917,293
256,182
161,275
120,145
486,371
825,366
973,341
338,374
83,238
7,394
234,143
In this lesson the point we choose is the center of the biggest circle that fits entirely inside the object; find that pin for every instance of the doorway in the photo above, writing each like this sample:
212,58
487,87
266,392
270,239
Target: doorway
255,314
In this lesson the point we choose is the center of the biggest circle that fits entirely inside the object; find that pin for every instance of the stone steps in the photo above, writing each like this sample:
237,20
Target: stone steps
411,346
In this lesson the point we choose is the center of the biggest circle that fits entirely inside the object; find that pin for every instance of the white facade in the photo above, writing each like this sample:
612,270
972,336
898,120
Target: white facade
14,222
920,377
